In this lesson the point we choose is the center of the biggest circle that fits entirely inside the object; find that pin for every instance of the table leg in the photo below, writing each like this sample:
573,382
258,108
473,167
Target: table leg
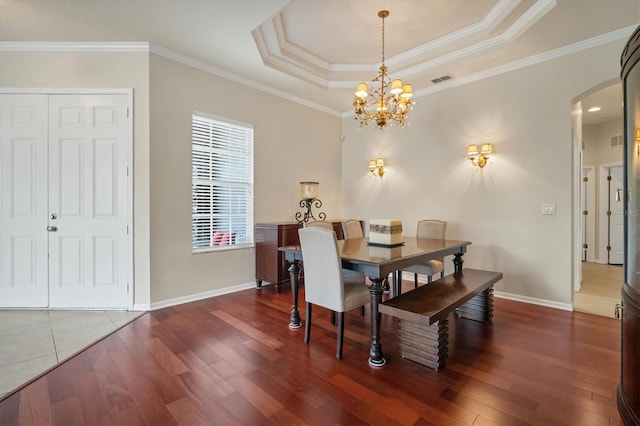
376,358
294,273
457,262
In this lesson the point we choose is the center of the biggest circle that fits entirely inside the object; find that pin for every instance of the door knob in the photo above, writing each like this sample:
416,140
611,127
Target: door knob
52,228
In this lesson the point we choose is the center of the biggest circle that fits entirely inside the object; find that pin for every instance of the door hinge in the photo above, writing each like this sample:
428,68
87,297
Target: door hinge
585,179
608,248
585,246
585,212
127,171
609,178
127,229
608,212
127,287
127,112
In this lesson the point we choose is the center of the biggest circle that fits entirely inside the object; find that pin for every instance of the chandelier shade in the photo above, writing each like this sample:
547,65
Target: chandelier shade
389,102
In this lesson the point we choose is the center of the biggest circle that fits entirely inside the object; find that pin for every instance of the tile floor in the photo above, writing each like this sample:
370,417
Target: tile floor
601,287
32,341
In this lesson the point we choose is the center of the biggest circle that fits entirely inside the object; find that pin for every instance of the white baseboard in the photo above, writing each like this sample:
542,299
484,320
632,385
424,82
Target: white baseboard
141,307
199,296
534,301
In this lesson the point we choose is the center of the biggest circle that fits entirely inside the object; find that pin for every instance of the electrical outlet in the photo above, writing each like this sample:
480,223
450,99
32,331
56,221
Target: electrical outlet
548,209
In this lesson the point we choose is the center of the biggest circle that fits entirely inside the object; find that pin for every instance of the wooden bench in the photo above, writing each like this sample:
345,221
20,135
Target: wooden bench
423,312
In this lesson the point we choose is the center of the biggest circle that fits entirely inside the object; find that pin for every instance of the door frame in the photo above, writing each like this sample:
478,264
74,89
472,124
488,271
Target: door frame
104,91
590,229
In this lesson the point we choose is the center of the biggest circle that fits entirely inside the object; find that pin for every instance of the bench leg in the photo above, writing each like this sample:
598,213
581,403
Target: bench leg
480,308
425,345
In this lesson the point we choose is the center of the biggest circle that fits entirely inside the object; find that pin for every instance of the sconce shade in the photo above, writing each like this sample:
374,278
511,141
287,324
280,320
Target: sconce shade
376,167
308,190
479,158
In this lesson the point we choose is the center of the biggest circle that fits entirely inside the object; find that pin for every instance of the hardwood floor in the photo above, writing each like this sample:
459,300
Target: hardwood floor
233,360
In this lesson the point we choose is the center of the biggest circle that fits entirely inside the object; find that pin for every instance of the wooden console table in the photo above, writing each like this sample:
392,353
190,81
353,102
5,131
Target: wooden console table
271,265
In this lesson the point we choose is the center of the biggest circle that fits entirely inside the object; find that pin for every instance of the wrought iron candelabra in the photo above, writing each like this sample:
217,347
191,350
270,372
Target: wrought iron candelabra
308,214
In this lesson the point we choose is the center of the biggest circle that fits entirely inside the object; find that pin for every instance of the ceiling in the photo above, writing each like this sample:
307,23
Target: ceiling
316,51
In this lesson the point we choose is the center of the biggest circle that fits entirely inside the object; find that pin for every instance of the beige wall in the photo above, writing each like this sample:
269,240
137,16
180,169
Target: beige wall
292,143
100,70
526,114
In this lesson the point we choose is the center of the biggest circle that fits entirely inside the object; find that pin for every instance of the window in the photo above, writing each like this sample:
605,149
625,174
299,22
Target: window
222,184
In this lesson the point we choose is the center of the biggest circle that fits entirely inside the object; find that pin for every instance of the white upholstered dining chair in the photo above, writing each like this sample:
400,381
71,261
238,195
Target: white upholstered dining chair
429,229
324,282
320,223
351,228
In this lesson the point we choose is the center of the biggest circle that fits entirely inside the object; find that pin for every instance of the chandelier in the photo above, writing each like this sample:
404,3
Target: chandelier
389,102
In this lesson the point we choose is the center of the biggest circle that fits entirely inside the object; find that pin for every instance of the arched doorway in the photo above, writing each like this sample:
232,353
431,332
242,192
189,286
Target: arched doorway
598,159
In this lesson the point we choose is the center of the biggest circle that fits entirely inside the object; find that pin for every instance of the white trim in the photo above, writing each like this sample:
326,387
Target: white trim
60,46
142,307
591,217
65,91
199,296
534,301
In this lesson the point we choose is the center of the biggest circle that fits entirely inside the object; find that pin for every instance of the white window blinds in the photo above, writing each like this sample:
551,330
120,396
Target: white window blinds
222,184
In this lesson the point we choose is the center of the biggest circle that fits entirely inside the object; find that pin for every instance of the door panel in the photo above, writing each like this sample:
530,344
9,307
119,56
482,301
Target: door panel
88,196
23,201
616,228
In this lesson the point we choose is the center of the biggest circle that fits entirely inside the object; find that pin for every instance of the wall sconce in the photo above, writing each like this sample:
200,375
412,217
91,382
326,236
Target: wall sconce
309,197
480,160
376,167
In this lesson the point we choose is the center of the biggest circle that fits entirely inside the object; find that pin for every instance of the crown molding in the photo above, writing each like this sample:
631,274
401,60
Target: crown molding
38,46
5,46
8,46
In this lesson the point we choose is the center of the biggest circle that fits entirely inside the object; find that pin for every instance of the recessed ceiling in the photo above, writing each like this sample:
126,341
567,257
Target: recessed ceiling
317,51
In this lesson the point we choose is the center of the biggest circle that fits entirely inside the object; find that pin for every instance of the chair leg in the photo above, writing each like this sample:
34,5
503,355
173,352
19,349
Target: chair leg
333,317
340,335
415,280
307,324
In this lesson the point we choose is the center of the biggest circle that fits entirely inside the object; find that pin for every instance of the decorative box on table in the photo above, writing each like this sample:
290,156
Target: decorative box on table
385,232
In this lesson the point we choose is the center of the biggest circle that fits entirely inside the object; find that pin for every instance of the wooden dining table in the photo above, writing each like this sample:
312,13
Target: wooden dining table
376,262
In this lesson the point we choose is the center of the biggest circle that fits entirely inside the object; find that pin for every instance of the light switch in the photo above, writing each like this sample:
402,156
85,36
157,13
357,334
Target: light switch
548,209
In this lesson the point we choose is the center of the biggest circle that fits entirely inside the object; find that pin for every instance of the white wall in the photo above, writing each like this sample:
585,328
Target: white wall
100,70
526,114
292,144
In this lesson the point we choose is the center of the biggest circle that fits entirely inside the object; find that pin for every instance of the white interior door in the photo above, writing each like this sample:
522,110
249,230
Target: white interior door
616,218
23,201
88,254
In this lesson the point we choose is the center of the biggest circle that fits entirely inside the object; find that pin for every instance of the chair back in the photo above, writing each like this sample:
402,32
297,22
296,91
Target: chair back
320,223
351,228
432,229
323,284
